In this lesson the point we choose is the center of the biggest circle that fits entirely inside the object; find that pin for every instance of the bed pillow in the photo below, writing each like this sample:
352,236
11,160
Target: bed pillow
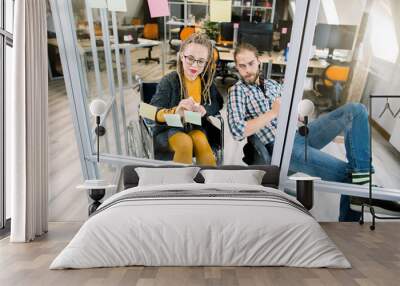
166,176
248,177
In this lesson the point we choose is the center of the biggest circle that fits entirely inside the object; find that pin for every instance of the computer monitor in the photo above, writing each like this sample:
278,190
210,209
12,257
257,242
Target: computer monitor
256,34
284,27
128,34
334,37
226,29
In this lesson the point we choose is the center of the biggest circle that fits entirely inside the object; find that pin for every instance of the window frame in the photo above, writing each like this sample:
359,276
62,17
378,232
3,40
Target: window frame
6,40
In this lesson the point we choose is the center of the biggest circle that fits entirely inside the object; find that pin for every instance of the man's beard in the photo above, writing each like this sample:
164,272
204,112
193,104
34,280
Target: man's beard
254,78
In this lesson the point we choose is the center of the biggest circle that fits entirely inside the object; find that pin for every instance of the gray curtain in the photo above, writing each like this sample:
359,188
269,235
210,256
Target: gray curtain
26,115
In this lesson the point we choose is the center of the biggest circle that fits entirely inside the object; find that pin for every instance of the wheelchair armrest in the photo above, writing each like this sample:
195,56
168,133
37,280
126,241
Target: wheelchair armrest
219,118
220,151
148,125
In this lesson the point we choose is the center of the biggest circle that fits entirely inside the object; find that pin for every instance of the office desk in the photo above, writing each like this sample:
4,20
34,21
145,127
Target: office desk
84,47
275,58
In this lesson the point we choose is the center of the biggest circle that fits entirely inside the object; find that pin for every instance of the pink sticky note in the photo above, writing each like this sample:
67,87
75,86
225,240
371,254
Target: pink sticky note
158,8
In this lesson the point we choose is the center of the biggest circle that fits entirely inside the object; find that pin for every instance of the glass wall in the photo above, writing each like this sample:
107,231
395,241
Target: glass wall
351,60
112,57
355,55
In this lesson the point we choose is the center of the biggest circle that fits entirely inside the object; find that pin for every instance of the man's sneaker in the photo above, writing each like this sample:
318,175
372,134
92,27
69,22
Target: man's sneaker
360,178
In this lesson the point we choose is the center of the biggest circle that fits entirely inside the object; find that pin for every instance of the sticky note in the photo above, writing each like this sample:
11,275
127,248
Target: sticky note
117,5
173,120
147,111
97,3
158,8
192,117
220,10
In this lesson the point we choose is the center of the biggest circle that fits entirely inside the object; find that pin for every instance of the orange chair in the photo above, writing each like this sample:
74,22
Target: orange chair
97,29
334,80
186,32
150,31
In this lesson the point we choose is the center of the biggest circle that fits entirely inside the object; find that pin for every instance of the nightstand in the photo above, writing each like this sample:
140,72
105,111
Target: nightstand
305,189
97,190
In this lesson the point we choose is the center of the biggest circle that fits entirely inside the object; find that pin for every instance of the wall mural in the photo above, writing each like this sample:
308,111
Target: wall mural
197,100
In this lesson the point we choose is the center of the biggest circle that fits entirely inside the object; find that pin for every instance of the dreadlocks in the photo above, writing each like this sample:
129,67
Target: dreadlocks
209,70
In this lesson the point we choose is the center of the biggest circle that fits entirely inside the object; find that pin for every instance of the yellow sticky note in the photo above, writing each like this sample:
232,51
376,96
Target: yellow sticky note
147,111
192,117
173,120
220,10
117,5
97,3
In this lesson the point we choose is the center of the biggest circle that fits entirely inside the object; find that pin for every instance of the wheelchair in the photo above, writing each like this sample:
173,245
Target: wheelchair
150,149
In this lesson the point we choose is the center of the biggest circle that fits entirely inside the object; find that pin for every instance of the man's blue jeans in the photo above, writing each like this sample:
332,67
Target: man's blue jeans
351,120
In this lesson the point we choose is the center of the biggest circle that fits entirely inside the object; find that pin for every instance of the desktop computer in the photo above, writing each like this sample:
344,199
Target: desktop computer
226,29
128,34
334,37
226,34
259,35
284,28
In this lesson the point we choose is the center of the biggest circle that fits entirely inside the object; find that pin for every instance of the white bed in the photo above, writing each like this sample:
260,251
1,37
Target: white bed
260,227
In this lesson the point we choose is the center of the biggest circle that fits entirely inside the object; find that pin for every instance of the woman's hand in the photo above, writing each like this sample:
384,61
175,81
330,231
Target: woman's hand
200,108
185,104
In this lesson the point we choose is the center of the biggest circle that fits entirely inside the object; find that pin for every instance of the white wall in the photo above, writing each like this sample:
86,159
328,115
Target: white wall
343,12
134,8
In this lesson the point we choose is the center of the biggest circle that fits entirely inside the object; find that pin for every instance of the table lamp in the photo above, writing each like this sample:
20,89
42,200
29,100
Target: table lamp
305,109
97,108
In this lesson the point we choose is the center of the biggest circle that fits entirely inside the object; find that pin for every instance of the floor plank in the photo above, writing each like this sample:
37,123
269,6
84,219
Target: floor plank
374,255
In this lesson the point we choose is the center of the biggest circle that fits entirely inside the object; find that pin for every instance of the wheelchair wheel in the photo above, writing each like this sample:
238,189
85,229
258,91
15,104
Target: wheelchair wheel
135,147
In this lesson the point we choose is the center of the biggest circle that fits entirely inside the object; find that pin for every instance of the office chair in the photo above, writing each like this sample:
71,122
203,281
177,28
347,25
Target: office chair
225,39
150,149
150,31
223,69
334,80
175,44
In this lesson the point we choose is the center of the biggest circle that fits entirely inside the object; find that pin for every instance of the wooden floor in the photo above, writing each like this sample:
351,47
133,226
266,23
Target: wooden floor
374,255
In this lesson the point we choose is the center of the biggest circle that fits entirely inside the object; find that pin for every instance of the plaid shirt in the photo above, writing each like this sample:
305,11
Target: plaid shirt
247,102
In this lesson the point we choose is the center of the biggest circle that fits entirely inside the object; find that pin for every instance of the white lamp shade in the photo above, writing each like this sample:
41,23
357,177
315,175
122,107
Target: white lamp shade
305,107
97,107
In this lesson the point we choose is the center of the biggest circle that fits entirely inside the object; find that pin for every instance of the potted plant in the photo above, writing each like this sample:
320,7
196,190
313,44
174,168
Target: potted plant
211,29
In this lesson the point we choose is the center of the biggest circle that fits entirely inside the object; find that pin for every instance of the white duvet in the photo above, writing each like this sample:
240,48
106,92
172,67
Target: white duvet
200,231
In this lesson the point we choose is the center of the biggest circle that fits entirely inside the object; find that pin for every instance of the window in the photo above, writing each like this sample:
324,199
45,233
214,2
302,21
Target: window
383,33
6,44
329,8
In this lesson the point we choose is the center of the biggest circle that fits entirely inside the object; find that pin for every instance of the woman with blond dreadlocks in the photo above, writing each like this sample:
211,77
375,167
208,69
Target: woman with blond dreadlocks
189,88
